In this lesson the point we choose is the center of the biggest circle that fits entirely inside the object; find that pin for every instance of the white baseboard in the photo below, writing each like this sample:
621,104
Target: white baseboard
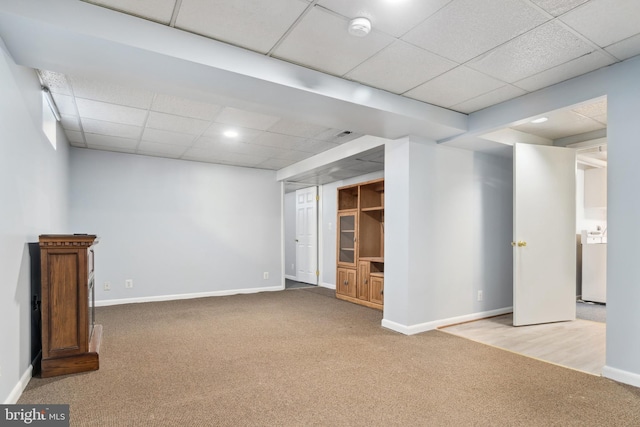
108,302
428,326
290,277
19,388
621,376
327,285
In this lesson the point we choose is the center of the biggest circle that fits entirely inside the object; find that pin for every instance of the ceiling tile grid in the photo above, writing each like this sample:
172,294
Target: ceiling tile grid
253,24
465,29
321,41
464,55
153,10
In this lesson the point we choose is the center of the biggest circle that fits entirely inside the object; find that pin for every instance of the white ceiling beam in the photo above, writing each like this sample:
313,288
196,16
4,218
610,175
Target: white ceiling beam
71,37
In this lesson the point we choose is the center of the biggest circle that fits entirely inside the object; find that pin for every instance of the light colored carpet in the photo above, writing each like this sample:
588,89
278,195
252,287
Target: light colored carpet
303,358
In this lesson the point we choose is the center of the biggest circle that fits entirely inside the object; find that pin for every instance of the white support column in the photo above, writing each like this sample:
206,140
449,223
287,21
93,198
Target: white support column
623,269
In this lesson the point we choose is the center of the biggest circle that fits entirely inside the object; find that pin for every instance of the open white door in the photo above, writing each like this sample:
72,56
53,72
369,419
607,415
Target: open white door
307,235
544,234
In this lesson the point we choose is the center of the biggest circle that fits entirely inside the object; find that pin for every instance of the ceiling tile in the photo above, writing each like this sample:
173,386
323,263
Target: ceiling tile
110,112
253,24
390,17
274,164
174,123
100,90
65,104
338,136
465,29
540,49
114,148
277,140
293,155
297,128
77,144
594,109
602,118
146,147
562,72
94,140
74,137
560,125
155,10
501,94
321,41
454,87
111,129
605,21
184,107
400,67
70,122
315,146
246,119
166,137
56,82
625,49
558,7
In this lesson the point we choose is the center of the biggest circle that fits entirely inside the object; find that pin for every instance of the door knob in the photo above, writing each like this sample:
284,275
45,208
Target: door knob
521,243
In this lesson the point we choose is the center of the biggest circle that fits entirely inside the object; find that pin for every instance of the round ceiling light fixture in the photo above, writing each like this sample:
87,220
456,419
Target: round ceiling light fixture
540,120
230,133
359,27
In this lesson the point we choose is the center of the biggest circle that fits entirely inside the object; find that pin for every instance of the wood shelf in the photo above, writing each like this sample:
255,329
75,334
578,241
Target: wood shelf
360,277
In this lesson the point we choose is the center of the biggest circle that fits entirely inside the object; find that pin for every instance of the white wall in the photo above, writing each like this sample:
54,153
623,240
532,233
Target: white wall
620,84
176,227
588,218
290,234
329,213
448,232
33,201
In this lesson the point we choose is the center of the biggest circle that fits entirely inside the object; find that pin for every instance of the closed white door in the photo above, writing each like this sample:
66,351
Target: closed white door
544,234
307,235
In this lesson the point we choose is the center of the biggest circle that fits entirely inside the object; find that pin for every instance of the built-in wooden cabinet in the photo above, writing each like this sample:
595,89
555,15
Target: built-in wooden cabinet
360,240
70,339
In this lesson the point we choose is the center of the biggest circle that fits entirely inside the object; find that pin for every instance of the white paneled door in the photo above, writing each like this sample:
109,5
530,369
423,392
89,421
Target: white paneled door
307,235
544,234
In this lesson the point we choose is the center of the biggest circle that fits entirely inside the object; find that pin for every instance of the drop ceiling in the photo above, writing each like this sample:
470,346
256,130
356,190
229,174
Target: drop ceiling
147,85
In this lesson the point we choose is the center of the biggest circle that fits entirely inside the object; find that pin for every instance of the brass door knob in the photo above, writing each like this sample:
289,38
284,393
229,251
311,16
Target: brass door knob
521,243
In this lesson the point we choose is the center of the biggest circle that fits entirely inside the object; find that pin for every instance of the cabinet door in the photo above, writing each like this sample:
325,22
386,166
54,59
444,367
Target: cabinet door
346,283
377,289
347,239
363,280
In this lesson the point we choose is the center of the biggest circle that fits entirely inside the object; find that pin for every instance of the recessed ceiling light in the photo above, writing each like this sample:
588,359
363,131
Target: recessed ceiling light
359,27
540,120
230,133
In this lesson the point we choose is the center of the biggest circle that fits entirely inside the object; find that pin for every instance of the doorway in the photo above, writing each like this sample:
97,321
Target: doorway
301,237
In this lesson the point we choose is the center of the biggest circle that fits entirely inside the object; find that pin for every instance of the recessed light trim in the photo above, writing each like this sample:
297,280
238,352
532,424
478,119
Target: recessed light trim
230,133
540,120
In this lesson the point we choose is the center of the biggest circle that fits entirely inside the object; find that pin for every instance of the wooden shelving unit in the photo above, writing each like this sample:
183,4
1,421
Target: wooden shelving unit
360,252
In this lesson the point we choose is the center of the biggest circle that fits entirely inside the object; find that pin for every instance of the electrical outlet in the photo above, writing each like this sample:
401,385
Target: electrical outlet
480,295
128,283
265,275
107,286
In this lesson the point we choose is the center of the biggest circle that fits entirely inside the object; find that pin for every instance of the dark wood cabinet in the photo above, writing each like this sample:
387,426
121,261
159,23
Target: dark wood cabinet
70,339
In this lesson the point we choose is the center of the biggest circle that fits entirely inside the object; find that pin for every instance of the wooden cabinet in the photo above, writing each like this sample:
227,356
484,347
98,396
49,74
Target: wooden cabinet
361,242
377,288
70,340
346,282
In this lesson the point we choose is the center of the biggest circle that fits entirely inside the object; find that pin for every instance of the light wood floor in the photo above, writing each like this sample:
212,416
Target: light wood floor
579,344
